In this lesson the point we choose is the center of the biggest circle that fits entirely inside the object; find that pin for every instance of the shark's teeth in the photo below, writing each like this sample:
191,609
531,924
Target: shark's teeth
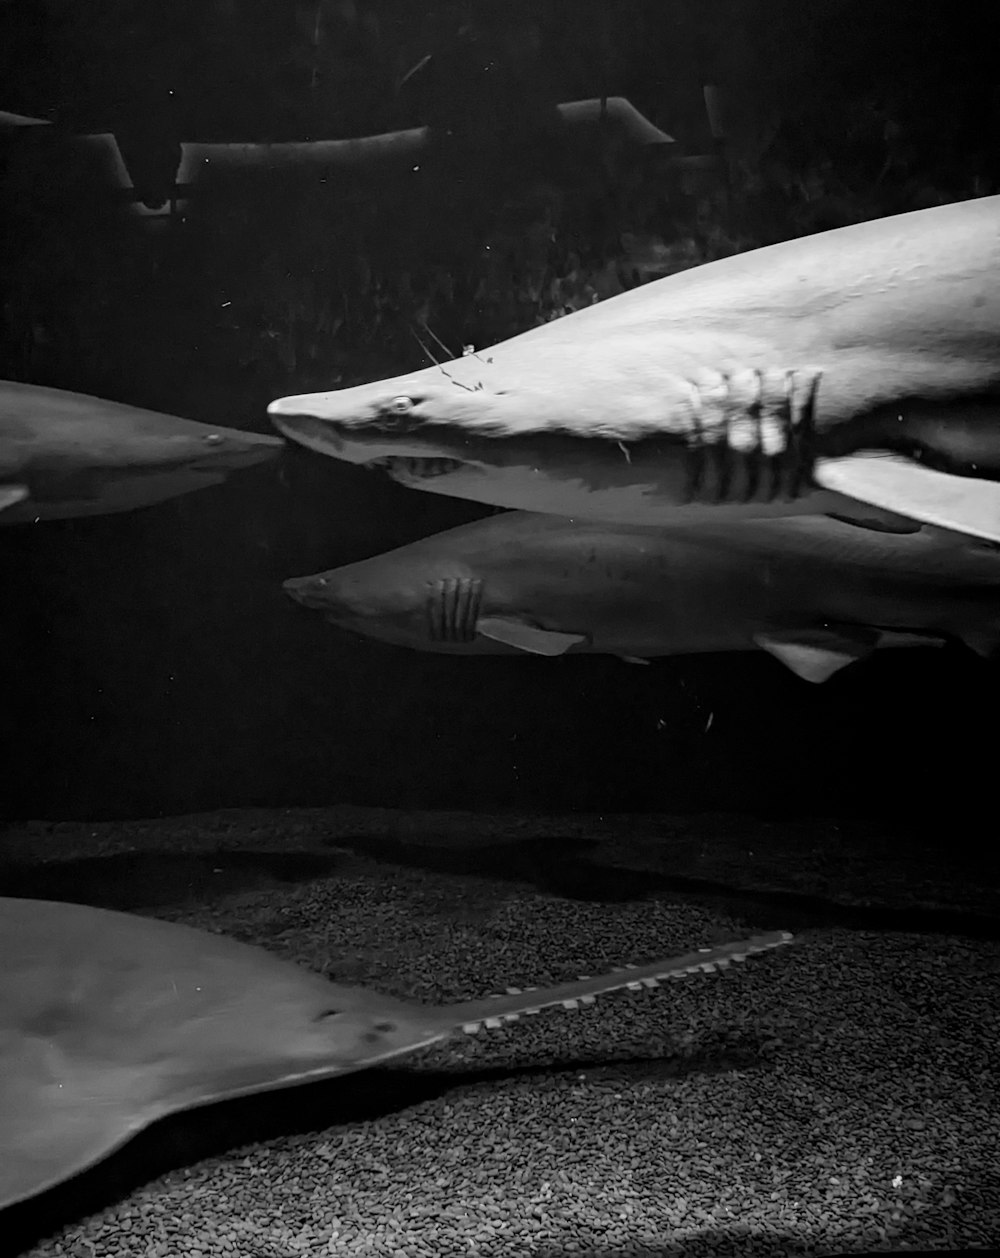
415,467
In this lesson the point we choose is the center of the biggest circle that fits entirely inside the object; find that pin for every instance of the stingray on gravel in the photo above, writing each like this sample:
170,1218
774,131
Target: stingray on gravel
110,1021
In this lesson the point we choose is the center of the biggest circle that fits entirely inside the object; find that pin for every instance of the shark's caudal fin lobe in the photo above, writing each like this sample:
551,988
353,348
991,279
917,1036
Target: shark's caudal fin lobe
527,637
958,504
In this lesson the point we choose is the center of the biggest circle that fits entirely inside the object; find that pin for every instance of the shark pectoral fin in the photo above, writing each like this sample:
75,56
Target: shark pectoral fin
9,494
526,637
959,504
815,655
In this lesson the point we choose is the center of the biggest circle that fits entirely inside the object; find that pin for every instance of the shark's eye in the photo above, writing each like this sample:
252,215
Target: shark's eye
400,406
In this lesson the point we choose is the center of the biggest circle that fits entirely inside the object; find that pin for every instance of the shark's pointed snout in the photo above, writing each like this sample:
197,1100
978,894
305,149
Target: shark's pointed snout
288,405
231,449
306,591
290,416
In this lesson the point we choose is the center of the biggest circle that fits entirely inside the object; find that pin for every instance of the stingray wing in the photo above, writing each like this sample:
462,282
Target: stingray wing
108,1021
58,1119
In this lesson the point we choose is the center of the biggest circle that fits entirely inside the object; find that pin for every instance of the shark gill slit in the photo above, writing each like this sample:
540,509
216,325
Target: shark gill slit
453,608
713,466
802,433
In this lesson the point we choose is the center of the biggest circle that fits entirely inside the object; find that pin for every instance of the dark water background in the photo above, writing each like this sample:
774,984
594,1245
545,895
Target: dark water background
150,663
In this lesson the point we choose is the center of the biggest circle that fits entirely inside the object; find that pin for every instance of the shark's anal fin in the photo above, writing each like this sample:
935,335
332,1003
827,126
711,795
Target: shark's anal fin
959,504
527,637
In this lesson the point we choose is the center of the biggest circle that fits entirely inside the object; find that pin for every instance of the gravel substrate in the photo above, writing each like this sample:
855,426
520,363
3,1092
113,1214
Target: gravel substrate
836,1096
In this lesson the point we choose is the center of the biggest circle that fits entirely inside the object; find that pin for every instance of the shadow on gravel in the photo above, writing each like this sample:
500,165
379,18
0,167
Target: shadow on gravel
562,867
145,880
186,1138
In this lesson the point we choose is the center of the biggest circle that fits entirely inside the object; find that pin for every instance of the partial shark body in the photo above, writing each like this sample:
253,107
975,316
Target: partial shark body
856,371
815,592
64,454
109,1021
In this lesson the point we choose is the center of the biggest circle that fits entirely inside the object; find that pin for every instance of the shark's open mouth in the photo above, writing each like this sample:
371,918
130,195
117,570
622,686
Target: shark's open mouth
414,467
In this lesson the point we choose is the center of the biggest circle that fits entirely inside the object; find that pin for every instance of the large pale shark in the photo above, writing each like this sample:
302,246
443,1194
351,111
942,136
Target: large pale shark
110,1021
64,454
853,368
815,592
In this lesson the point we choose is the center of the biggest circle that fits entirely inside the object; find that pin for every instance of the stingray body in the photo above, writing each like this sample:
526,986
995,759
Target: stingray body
110,1021
815,592
64,454
854,368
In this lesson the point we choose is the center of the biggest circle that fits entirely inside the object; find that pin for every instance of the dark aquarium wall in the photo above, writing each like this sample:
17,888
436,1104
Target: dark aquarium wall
150,661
